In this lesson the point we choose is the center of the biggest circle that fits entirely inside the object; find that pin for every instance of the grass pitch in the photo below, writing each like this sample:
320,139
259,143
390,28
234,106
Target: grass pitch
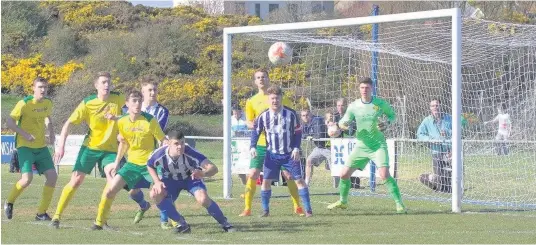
368,220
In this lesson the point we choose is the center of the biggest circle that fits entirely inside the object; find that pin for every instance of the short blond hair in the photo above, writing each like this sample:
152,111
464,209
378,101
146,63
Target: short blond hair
261,70
103,74
148,80
275,90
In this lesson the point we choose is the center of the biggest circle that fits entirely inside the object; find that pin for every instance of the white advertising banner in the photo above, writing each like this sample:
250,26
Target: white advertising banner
341,149
72,147
240,156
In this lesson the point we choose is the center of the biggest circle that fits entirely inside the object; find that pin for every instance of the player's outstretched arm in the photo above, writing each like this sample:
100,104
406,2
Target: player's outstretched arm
121,150
295,143
258,128
496,119
344,122
51,136
60,148
208,169
158,184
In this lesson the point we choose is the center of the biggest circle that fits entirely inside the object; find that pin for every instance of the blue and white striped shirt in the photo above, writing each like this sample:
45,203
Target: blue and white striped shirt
182,168
158,111
283,130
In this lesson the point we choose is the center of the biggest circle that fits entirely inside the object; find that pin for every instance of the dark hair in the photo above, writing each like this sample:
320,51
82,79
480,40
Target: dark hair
236,108
275,90
39,80
365,80
175,135
436,99
133,93
503,107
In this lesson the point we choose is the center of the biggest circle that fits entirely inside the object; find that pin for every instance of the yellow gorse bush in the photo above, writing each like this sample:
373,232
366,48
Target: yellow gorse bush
190,95
22,72
83,15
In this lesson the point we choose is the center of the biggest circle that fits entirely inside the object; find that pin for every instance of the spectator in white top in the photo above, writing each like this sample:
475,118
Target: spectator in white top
504,130
239,128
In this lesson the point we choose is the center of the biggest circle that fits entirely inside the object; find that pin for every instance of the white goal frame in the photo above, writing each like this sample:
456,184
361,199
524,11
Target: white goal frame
454,13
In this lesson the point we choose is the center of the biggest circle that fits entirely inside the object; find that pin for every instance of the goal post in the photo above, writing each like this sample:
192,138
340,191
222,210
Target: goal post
456,77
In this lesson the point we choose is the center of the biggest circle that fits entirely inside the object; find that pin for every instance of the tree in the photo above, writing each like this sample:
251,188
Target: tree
22,24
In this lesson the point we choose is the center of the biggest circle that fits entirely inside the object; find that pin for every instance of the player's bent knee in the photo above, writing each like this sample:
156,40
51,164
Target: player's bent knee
286,174
157,197
266,184
51,177
384,173
203,199
300,183
254,173
134,191
26,180
345,174
77,178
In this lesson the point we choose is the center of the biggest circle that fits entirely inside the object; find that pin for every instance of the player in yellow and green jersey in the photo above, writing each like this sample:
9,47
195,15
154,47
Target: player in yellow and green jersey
29,119
371,144
254,107
139,133
99,111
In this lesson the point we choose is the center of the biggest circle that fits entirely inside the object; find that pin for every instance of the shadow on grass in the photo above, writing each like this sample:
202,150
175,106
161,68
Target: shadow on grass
280,226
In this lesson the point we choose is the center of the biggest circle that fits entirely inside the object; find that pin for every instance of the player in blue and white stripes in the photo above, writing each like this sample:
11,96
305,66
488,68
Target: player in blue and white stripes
283,139
183,168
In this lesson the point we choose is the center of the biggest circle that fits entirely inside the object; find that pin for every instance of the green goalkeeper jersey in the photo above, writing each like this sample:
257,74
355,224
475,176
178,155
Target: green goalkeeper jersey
366,116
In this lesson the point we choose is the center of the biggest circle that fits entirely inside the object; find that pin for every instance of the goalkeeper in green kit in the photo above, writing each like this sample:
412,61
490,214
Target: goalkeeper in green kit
371,144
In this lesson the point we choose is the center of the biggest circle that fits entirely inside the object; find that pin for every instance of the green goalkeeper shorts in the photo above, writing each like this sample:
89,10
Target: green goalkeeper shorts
361,155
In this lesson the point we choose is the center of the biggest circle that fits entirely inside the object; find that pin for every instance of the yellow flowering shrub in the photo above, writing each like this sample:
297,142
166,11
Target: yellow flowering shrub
189,95
22,72
83,15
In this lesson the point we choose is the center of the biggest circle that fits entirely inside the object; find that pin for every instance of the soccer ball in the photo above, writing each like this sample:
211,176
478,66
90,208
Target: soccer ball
334,131
280,53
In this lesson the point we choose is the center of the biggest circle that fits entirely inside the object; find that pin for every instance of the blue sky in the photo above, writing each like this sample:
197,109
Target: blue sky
155,3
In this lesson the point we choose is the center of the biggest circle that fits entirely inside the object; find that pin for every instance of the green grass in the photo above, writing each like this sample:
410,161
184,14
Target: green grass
368,220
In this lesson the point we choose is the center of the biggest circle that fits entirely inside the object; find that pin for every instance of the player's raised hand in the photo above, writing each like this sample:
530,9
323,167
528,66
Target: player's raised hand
114,167
253,152
198,174
382,126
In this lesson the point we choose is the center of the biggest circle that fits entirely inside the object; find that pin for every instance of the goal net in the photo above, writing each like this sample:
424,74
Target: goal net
414,67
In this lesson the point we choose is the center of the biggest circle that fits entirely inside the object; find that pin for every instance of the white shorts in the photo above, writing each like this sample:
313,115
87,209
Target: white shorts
502,135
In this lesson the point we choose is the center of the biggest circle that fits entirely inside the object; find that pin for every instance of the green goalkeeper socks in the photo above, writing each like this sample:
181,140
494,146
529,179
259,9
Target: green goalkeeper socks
344,189
392,187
